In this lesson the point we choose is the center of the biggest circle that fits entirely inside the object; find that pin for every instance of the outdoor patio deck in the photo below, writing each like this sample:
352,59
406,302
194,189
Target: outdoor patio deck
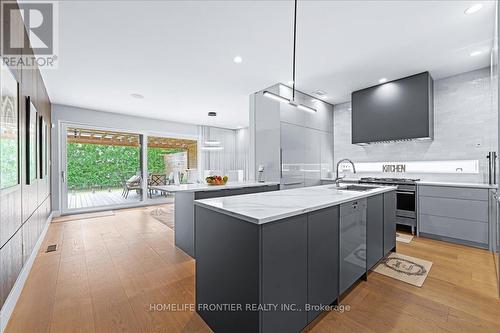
87,199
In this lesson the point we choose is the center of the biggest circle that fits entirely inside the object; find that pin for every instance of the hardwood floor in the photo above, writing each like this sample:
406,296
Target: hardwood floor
108,273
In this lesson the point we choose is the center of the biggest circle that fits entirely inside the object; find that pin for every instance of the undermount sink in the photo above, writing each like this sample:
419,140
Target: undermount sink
359,188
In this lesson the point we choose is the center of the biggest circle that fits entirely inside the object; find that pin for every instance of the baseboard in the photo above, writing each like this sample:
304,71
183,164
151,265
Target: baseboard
56,213
11,301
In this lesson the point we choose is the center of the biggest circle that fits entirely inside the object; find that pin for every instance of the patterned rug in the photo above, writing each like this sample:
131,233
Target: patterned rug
403,238
404,268
165,215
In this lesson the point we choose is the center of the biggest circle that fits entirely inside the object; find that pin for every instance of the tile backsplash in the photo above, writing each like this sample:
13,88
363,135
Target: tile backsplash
465,128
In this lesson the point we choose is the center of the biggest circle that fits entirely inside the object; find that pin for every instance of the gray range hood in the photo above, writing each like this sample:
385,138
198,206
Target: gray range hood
398,110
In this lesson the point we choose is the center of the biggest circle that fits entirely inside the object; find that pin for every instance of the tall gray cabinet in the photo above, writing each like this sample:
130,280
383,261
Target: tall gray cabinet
294,146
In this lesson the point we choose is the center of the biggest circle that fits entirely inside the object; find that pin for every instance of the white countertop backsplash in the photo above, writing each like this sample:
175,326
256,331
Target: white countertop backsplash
260,208
428,181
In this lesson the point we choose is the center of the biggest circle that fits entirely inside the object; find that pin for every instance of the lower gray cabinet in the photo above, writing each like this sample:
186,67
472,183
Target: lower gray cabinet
352,242
455,214
374,230
389,221
284,274
323,259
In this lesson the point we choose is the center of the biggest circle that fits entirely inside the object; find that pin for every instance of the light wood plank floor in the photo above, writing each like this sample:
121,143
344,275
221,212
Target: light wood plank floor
108,270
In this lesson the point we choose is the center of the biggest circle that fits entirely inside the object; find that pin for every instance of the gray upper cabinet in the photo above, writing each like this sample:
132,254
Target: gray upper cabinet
321,120
323,258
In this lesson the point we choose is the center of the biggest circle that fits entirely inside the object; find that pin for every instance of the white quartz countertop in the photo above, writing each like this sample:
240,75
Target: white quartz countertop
260,208
453,184
205,187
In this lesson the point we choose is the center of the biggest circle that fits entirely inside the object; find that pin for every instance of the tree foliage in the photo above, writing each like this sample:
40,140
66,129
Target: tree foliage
109,166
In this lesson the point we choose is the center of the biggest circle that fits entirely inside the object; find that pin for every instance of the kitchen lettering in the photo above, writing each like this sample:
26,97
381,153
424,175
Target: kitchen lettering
394,168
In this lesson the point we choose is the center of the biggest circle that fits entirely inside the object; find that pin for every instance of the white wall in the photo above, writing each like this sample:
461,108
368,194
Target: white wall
465,127
79,116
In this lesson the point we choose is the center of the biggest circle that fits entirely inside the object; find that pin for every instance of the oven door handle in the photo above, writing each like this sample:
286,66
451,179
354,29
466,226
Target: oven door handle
405,191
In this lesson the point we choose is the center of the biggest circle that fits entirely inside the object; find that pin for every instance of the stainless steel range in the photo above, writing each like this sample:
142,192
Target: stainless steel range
406,212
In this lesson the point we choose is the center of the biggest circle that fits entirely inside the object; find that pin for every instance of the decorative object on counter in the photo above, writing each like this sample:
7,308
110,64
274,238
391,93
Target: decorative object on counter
408,269
403,238
261,174
216,180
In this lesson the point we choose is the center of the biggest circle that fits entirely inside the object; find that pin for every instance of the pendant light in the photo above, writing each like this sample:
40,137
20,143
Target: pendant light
212,145
282,99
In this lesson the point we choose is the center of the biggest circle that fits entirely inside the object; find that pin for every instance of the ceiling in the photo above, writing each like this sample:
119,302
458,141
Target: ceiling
179,55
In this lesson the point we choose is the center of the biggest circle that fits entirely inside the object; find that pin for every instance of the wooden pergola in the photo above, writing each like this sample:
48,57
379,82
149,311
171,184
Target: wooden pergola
113,138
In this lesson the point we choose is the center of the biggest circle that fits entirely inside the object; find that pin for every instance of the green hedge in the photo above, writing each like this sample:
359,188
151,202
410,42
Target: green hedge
109,166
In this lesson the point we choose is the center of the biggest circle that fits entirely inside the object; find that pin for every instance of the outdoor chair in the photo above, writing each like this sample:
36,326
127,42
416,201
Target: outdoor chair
156,180
134,183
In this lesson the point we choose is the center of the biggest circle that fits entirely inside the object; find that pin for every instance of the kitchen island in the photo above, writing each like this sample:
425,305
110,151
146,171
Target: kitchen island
185,194
272,262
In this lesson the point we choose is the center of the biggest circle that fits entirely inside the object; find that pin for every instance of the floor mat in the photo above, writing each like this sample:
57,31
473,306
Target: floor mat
404,268
403,238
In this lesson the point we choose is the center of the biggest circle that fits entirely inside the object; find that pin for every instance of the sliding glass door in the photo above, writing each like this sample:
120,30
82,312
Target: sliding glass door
101,168
170,161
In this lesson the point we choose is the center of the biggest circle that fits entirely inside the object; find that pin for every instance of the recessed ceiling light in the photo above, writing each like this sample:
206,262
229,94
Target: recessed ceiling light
475,53
382,80
136,95
473,9
238,59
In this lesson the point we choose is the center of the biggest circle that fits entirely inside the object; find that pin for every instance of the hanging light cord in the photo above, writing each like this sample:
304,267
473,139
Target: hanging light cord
294,47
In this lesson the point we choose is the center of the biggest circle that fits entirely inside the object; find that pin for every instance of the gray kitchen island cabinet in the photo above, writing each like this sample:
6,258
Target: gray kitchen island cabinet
353,249
184,211
380,227
265,266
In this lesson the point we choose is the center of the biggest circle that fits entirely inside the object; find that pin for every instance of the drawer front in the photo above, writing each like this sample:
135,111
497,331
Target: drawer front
473,231
453,192
454,208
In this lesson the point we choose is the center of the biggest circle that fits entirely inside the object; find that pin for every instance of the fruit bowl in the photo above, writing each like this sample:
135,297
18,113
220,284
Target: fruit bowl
216,180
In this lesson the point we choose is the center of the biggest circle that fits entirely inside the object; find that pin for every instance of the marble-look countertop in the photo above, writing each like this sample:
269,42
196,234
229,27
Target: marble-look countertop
455,184
206,187
260,208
